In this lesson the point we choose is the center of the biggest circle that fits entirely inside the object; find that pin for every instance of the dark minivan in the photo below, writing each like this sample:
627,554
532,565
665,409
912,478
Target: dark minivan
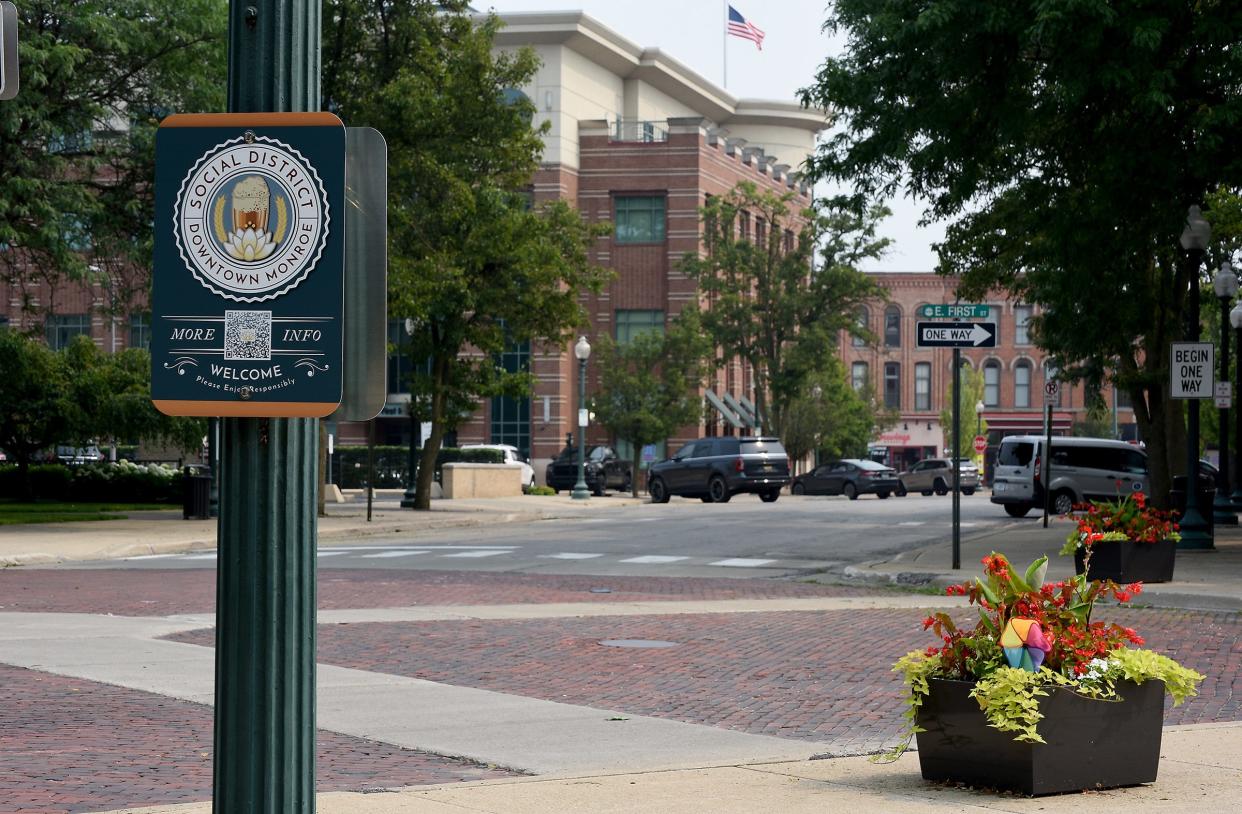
716,469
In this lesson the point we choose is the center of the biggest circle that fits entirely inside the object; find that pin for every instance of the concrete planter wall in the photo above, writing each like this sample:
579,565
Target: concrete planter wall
482,480
1125,561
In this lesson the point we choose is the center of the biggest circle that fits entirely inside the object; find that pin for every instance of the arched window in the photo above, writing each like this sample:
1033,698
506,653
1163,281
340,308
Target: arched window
892,385
991,383
892,327
1022,384
864,324
922,386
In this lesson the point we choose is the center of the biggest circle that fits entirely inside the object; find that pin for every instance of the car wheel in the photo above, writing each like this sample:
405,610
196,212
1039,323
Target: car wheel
850,491
968,491
798,489
901,490
1017,509
658,491
939,487
705,499
882,495
925,493
718,490
769,497
1063,502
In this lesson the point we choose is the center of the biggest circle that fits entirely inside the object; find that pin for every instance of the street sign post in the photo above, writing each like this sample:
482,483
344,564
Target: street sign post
955,334
247,291
8,51
1191,370
954,311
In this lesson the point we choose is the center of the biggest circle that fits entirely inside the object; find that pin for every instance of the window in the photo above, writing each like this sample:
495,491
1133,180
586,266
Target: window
761,232
60,328
639,218
1022,384
864,324
892,385
991,384
631,323
859,375
892,327
922,386
1021,319
1121,398
743,224
140,331
510,422
400,366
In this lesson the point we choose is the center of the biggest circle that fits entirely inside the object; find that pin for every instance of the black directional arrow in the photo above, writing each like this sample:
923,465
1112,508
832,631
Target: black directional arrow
956,334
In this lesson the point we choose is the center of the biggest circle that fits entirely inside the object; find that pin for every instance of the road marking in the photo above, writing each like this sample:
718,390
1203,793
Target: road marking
567,555
385,554
477,554
332,553
152,557
654,559
645,520
911,523
210,556
741,562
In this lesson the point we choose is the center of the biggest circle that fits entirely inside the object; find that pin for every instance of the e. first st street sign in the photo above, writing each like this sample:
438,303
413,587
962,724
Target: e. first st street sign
956,334
1191,370
247,291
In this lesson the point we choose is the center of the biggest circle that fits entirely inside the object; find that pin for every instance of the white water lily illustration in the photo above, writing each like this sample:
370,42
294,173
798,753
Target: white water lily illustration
250,244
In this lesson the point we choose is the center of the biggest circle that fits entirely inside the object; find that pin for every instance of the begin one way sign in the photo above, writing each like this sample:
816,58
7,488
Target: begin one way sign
1190,370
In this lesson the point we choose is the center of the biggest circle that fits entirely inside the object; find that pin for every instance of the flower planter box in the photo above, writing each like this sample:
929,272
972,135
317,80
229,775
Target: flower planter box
1091,744
1123,561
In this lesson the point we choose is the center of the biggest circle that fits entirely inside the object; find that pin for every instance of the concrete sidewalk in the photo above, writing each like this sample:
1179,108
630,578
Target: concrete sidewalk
167,533
1202,580
1200,773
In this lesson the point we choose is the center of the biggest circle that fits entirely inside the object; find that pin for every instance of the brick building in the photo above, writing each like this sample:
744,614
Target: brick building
639,140
916,381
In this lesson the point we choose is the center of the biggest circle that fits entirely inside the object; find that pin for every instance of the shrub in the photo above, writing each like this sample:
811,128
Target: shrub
120,482
349,465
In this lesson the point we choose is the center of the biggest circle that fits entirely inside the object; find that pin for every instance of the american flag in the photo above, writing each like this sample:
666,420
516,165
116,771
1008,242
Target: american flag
738,27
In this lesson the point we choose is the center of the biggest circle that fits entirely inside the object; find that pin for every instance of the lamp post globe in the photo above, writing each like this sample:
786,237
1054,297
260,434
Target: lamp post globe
582,351
979,405
1195,530
1225,285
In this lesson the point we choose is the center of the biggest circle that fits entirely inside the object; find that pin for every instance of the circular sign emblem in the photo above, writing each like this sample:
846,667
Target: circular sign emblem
981,444
251,219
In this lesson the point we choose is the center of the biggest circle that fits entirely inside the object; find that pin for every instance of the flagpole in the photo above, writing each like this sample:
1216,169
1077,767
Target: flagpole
724,44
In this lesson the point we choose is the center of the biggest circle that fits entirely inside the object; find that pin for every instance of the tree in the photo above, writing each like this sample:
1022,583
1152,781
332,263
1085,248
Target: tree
767,304
34,405
76,144
649,387
972,394
832,418
1064,141
471,261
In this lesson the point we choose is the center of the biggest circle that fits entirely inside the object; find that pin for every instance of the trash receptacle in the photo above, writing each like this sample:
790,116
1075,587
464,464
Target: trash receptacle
1205,496
196,496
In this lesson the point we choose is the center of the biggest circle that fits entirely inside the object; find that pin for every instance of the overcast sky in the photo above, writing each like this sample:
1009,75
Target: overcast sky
692,31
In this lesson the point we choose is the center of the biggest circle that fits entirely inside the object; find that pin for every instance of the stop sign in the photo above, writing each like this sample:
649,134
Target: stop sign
981,444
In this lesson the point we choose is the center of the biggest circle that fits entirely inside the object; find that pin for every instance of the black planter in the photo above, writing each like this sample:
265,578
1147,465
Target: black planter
1090,744
1123,561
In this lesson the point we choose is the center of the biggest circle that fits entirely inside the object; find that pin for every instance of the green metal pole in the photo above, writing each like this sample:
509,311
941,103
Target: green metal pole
957,470
581,492
265,594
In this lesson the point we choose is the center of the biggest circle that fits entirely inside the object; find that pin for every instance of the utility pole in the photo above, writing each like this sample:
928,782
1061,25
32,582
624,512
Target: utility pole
265,595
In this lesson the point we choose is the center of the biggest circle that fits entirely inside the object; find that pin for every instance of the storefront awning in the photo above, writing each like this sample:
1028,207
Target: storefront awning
1027,422
744,412
728,414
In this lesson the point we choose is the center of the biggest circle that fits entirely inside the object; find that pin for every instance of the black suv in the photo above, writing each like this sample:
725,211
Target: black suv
602,470
716,469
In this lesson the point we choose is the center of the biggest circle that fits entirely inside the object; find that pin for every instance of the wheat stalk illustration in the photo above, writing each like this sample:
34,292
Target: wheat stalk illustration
221,235
282,219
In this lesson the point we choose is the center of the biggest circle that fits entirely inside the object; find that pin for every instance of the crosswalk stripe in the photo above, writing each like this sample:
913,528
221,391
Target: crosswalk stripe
567,555
741,562
387,554
477,554
152,557
654,559
331,553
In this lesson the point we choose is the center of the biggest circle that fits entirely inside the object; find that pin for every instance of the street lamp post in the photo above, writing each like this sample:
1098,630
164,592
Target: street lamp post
1235,319
1194,528
979,405
409,498
1225,284
582,350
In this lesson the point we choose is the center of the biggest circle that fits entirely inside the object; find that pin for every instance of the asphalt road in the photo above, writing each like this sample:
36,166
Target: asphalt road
684,538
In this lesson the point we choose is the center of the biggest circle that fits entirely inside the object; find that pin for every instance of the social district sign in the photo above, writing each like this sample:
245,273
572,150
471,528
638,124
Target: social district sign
249,250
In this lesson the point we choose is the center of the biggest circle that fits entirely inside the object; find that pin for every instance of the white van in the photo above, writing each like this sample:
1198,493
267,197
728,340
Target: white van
1082,469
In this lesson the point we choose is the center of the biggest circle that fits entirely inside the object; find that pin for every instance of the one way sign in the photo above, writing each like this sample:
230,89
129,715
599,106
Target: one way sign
956,334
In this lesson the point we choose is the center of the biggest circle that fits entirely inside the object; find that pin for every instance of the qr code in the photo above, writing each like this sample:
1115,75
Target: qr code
247,334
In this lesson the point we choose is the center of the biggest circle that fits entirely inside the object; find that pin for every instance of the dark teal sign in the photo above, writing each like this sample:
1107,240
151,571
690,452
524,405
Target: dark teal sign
247,290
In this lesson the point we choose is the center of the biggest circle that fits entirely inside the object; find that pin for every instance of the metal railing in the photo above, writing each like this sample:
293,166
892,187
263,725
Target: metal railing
638,130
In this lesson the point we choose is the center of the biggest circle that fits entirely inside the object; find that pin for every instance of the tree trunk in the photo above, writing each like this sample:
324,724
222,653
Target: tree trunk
431,446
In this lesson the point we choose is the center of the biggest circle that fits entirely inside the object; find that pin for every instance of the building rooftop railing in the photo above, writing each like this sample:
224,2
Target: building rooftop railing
645,131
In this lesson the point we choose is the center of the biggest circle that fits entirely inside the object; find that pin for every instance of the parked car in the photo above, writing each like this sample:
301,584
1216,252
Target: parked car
936,475
850,477
512,456
602,470
1081,469
716,469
